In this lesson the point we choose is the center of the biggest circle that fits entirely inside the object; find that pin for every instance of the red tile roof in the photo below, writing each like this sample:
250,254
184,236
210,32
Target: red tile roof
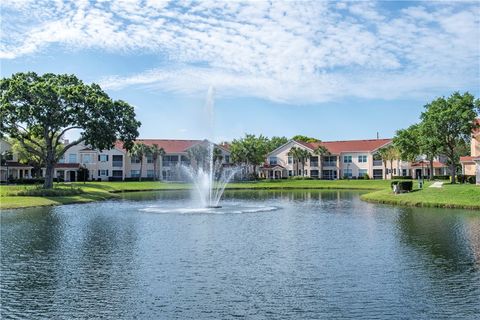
15,164
336,147
169,146
467,159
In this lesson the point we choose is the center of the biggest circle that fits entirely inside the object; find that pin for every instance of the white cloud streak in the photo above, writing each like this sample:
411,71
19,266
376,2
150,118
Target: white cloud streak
294,52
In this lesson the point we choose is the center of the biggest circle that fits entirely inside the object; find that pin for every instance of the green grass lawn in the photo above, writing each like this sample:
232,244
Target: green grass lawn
463,196
466,196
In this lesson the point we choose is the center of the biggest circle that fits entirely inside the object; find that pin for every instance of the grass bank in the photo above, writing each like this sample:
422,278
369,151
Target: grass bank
11,196
462,196
457,196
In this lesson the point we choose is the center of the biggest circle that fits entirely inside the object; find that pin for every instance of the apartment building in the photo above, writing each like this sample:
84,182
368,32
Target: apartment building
117,164
347,159
471,164
10,168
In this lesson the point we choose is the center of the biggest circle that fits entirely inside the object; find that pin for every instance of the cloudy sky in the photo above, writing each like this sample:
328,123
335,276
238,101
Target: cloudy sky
333,70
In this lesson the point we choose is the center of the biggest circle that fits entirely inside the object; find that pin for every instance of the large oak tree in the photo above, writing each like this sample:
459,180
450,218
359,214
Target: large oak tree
450,121
48,106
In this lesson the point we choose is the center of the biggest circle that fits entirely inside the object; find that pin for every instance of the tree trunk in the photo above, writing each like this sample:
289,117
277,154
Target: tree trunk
452,169
141,169
391,169
49,170
155,169
384,170
431,169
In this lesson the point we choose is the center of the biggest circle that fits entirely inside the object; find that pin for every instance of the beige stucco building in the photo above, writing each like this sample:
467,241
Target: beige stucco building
471,164
350,159
117,164
10,168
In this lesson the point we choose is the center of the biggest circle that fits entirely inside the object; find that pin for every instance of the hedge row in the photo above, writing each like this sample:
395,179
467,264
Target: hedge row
404,186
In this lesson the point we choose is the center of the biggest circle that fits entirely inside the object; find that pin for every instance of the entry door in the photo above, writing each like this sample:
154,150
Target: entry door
418,173
72,176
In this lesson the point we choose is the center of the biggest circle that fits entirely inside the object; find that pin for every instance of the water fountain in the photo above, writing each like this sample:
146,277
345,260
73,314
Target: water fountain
208,175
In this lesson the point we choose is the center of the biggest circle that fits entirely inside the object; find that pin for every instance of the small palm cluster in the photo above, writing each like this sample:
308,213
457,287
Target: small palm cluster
140,150
300,156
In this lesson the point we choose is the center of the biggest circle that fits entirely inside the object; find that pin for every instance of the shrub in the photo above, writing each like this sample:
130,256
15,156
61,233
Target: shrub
402,177
404,186
300,178
28,181
442,177
466,179
57,192
366,177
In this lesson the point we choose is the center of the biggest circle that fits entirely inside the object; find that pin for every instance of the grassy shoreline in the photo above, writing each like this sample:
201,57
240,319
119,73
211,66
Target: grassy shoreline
456,196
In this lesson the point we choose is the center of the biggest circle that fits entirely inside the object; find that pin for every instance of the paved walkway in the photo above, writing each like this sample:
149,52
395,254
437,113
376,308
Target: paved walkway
437,184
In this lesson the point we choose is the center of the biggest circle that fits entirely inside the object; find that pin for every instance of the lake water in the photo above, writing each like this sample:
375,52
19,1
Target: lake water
265,255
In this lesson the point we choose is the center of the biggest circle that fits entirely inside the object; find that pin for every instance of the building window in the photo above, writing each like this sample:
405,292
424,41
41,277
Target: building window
272,160
117,161
87,158
347,159
362,172
135,173
314,173
347,173
62,159
395,171
290,160
169,161
404,172
149,159
290,173
103,173
103,158
362,159
227,159
117,173
150,173
72,158
134,159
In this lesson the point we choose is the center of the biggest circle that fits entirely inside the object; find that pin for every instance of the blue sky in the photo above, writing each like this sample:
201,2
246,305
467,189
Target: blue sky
333,70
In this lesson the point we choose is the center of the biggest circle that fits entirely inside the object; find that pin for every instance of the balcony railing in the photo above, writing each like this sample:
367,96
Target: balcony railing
169,163
313,163
377,163
117,164
330,164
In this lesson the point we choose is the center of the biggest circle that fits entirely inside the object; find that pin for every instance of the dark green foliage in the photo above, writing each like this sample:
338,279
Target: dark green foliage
299,137
466,179
404,186
450,121
56,192
46,107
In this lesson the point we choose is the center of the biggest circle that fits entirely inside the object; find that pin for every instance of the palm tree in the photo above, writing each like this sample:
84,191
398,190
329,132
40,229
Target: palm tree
383,153
393,154
156,153
295,154
303,157
217,155
321,151
138,151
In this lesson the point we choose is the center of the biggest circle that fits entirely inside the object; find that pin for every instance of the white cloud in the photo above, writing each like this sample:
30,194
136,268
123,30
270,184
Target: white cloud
296,52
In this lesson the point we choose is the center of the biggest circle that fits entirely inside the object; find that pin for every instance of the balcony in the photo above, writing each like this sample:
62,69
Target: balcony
330,164
169,163
377,163
117,164
313,163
